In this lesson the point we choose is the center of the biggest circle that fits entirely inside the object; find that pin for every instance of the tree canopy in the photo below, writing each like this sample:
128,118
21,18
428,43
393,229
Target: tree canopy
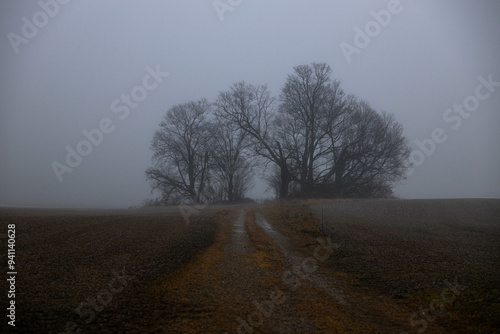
314,140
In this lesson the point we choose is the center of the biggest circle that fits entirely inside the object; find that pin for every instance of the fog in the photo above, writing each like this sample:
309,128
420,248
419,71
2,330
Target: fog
68,67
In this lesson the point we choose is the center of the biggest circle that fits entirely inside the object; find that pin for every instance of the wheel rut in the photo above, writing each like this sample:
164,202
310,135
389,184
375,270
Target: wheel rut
251,281
303,266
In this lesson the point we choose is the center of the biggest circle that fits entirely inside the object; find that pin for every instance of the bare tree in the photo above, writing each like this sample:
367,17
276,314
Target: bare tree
319,141
182,151
252,109
371,154
232,168
338,145
312,107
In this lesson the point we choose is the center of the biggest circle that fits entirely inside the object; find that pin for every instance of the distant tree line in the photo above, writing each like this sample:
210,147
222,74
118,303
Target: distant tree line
313,141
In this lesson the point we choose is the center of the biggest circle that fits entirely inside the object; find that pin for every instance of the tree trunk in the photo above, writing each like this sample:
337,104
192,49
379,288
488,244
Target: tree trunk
285,181
339,181
230,192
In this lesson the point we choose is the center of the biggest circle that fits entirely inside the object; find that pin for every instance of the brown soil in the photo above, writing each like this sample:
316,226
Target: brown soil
65,259
408,249
232,271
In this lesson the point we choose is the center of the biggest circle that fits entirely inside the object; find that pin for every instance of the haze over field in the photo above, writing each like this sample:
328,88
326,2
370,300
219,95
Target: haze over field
69,75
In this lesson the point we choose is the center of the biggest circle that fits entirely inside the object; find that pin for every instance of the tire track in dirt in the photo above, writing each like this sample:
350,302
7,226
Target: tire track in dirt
236,286
309,302
242,284
298,262
366,310
217,292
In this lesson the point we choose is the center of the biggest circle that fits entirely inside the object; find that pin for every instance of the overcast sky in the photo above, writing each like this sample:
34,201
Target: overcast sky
61,72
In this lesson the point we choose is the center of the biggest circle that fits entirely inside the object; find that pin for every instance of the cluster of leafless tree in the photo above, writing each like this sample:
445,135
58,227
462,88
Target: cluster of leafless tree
313,141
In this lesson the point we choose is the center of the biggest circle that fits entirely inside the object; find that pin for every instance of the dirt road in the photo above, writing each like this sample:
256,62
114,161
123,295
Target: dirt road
254,280
259,269
283,277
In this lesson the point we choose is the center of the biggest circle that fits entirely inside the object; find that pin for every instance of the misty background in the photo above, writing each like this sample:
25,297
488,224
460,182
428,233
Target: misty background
65,78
